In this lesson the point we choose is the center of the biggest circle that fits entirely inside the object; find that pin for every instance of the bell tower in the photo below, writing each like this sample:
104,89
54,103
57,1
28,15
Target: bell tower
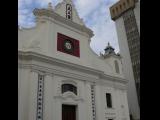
69,11
113,58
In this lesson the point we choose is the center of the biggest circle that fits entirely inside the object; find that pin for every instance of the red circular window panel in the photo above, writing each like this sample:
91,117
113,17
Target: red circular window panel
68,45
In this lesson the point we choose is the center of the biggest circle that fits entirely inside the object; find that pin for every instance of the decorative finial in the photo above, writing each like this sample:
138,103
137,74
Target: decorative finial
50,6
108,44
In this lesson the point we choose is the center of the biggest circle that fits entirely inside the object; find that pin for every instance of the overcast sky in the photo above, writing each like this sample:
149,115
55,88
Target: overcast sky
95,14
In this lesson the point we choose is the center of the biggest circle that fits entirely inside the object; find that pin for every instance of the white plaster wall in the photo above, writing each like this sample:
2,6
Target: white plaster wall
99,103
111,60
26,36
127,68
106,65
118,98
117,104
33,84
19,87
109,112
23,90
100,64
19,82
49,103
27,97
125,100
20,38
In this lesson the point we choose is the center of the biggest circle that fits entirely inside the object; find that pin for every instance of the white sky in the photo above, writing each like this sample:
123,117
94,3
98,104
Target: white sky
95,14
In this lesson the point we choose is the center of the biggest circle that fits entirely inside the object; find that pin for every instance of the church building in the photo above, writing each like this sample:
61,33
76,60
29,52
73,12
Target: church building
60,77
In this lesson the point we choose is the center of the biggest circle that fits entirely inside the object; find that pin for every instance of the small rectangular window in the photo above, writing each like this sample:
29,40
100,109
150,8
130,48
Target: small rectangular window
109,100
110,119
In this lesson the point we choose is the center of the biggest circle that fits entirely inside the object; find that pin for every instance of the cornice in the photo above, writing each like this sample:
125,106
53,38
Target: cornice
55,16
53,61
112,55
64,25
120,11
32,55
69,95
51,72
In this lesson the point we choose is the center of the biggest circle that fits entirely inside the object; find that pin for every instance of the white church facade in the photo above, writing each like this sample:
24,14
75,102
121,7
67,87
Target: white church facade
60,77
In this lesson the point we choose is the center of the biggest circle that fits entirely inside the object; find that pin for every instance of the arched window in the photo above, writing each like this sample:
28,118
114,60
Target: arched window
116,66
69,11
69,87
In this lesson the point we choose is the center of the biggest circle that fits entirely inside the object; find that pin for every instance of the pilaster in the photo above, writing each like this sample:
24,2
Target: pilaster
23,99
49,112
33,83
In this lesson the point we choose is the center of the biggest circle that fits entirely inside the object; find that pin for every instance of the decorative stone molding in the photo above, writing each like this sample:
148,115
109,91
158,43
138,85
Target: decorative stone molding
68,94
69,81
54,61
44,18
40,72
51,72
109,113
40,95
55,16
110,116
93,102
120,7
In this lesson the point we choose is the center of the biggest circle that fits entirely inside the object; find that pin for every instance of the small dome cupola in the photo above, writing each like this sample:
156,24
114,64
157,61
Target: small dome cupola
112,58
109,50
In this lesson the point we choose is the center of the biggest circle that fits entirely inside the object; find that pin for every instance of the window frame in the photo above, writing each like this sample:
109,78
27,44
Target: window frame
109,100
67,87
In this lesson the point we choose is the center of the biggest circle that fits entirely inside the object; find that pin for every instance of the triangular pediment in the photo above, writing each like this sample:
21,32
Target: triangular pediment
61,9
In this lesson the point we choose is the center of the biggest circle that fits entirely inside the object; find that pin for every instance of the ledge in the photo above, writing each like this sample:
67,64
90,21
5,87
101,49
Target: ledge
50,60
120,9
